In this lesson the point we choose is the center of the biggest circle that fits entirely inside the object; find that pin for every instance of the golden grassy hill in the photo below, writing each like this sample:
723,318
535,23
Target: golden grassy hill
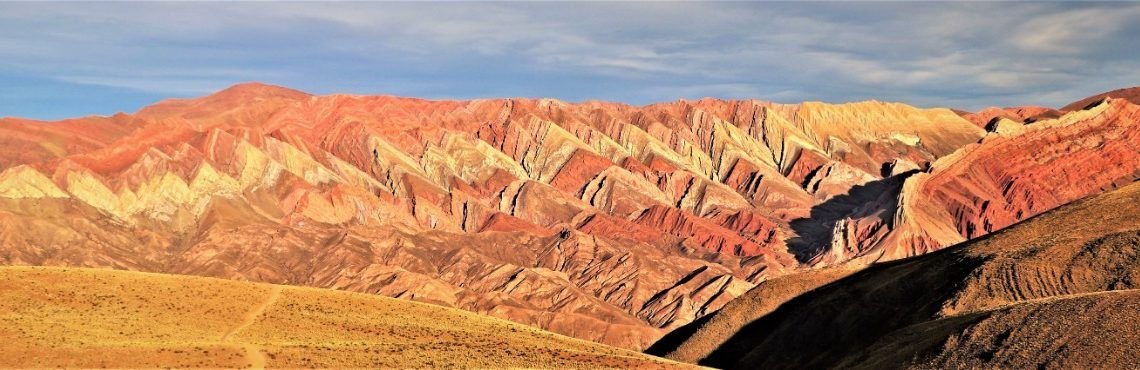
63,317
1059,289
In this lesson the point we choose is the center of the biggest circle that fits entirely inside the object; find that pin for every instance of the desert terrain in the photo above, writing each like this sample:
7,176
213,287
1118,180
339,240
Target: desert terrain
98,318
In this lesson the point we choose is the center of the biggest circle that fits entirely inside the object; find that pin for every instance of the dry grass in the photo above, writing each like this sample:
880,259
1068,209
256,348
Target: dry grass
1096,330
53,317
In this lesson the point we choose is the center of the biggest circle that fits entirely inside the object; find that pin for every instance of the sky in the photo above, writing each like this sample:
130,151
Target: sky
62,60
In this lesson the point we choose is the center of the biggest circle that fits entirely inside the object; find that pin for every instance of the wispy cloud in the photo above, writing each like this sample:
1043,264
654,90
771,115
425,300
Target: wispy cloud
967,55
1073,31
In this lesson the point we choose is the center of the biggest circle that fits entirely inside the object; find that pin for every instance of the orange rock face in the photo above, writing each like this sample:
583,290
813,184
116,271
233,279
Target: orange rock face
603,221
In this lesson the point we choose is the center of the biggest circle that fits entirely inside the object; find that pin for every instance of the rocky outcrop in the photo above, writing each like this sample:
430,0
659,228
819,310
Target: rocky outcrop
1004,126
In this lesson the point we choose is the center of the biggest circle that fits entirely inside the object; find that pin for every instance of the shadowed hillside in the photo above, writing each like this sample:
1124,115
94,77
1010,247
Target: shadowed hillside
952,307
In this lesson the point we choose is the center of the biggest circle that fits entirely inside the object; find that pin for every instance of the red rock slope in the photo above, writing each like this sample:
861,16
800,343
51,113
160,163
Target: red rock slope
1001,180
598,220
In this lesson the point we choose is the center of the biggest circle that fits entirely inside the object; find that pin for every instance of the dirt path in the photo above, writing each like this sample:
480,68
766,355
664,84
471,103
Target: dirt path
254,355
252,351
254,313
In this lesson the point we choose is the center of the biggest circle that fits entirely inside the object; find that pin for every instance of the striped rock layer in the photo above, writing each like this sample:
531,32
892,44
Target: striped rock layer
604,221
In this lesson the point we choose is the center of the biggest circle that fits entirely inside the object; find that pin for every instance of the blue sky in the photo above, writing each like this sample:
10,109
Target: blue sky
71,59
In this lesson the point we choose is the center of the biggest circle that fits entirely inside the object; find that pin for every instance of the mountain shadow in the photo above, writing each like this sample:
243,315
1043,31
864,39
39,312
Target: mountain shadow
814,233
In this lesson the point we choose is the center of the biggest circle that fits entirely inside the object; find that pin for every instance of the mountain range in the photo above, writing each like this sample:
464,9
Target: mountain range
728,233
